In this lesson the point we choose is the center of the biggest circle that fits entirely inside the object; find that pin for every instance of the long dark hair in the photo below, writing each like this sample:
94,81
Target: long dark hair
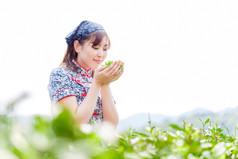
71,54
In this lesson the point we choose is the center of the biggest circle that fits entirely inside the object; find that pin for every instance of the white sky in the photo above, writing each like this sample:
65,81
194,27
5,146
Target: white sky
178,54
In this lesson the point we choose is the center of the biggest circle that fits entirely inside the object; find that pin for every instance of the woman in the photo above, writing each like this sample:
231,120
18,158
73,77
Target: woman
79,83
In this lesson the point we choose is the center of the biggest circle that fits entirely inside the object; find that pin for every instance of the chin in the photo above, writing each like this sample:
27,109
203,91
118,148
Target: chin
95,67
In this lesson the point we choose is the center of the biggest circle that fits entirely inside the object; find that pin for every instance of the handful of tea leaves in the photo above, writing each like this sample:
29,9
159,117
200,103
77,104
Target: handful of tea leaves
108,63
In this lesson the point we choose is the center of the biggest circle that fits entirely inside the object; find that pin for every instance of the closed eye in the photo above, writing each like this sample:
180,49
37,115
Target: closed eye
95,47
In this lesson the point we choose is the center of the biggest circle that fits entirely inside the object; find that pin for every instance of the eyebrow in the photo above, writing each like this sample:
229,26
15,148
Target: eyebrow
103,45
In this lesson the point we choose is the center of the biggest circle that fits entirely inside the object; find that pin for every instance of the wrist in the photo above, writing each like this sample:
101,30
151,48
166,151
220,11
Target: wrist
96,84
105,86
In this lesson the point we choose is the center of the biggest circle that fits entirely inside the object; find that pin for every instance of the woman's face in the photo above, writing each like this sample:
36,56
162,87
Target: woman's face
90,56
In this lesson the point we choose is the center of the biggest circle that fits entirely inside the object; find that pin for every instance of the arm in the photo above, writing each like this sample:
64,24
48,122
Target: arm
109,110
108,106
83,112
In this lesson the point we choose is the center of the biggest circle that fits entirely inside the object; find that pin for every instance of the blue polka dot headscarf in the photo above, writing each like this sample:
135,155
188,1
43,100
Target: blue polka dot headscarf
83,29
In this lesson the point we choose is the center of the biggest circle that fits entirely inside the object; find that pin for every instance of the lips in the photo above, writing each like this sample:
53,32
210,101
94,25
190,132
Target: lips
98,61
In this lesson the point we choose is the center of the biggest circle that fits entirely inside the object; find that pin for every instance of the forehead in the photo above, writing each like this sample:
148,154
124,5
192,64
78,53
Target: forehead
104,41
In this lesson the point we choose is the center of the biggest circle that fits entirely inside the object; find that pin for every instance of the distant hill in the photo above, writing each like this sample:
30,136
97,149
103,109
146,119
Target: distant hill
227,117
138,120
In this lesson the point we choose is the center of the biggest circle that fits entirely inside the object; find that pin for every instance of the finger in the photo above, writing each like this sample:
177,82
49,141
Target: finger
102,68
114,69
120,73
117,76
110,67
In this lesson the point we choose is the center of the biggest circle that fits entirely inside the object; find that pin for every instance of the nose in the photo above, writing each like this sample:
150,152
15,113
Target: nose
100,52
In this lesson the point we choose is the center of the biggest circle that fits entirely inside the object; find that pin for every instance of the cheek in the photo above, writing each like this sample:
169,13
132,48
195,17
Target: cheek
92,54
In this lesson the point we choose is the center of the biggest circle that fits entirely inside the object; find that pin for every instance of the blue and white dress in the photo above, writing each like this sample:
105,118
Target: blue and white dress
64,83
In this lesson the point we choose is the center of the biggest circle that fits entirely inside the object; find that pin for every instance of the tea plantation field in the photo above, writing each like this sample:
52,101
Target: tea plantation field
60,138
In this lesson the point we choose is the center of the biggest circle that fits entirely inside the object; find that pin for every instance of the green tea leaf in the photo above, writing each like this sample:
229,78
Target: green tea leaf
176,127
108,63
207,121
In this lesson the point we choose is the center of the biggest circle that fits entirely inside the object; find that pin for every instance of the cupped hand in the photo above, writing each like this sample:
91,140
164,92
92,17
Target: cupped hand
105,75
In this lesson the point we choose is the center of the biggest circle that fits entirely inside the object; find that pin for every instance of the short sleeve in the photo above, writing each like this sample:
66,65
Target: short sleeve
60,85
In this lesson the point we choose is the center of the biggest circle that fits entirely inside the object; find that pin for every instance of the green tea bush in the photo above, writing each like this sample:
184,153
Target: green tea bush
61,138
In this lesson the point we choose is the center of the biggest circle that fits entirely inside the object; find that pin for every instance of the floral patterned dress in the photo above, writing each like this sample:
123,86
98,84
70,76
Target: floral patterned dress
64,83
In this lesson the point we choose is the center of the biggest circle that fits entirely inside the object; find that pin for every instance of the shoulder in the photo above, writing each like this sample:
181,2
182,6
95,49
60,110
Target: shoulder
59,79
60,84
59,72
